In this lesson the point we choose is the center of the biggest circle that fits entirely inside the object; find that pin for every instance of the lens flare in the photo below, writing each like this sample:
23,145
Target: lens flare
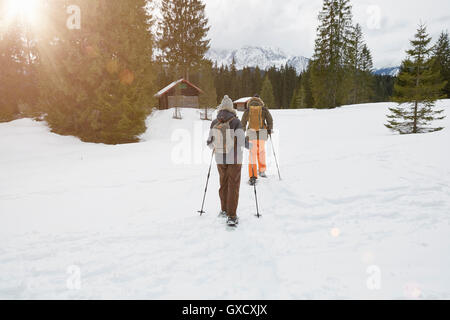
412,291
335,232
26,9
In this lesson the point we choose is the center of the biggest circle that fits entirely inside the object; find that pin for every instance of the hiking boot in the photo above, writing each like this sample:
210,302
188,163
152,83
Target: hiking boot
262,175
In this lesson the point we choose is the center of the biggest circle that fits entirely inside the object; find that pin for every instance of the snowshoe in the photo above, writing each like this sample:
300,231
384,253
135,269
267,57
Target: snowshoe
223,214
262,175
232,222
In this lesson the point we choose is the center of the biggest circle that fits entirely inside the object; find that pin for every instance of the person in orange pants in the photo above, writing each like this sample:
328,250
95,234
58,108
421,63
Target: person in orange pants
257,158
260,125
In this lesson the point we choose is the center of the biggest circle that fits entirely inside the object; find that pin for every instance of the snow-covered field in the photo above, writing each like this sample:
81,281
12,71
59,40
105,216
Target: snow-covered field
361,213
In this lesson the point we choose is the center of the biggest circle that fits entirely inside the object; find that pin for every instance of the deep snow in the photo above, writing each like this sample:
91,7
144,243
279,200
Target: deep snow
361,213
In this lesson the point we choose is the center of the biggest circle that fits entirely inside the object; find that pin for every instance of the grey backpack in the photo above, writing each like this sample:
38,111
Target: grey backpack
223,138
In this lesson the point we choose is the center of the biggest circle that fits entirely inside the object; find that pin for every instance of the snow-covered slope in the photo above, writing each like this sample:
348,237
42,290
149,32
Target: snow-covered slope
391,71
262,57
360,213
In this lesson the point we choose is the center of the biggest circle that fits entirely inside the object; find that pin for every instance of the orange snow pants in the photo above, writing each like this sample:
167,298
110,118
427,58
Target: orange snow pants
257,156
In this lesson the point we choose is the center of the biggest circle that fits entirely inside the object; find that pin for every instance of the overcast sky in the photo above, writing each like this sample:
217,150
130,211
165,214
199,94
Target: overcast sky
291,24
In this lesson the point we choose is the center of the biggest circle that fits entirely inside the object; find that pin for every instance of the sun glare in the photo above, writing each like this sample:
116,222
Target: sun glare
25,9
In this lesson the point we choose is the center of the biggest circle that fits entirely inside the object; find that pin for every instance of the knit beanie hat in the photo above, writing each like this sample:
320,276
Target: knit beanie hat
227,104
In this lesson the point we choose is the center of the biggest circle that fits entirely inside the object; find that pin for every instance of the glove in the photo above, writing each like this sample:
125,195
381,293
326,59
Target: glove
210,141
247,143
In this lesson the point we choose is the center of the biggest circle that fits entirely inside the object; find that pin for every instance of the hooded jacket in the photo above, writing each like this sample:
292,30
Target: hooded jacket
267,119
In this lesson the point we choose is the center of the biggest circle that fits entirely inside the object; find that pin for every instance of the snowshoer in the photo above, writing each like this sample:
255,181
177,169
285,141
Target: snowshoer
260,126
227,138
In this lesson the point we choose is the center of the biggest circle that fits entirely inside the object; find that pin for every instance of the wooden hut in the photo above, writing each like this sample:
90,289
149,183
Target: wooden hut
241,104
180,93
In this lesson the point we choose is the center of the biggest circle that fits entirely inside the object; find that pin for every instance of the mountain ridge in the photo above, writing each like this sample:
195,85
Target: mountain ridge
266,57
253,56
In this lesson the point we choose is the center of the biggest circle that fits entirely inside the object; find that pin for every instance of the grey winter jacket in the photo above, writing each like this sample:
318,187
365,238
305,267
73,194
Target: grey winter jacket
235,156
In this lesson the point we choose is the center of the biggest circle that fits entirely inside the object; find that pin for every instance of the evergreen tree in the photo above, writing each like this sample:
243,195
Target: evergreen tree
164,76
360,67
10,72
383,88
298,98
290,83
233,82
329,63
366,76
256,81
354,64
246,83
275,77
206,82
442,60
18,60
267,93
282,101
97,81
219,82
227,83
417,88
306,83
183,35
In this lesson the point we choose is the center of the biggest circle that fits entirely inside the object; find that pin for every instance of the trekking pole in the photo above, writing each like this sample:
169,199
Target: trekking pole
207,181
275,156
256,195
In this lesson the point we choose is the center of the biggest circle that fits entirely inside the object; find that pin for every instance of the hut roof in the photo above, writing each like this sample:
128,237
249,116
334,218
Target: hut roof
243,100
173,84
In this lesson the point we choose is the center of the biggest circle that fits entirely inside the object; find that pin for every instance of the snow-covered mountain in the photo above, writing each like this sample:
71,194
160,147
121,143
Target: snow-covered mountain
391,71
266,57
262,57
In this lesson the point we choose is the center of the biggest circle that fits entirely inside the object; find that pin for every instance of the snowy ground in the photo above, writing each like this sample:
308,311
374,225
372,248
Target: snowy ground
361,213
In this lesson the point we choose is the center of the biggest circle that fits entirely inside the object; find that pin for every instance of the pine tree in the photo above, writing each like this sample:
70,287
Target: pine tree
256,81
183,35
233,83
275,77
97,81
219,82
306,83
417,89
358,58
298,98
206,82
18,60
366,76
10,72
290,83
283,99
164,76
246,83
328,72
267,93
383,88
227,83
442,60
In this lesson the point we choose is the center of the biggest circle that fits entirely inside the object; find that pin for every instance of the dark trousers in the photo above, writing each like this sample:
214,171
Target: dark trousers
230,182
